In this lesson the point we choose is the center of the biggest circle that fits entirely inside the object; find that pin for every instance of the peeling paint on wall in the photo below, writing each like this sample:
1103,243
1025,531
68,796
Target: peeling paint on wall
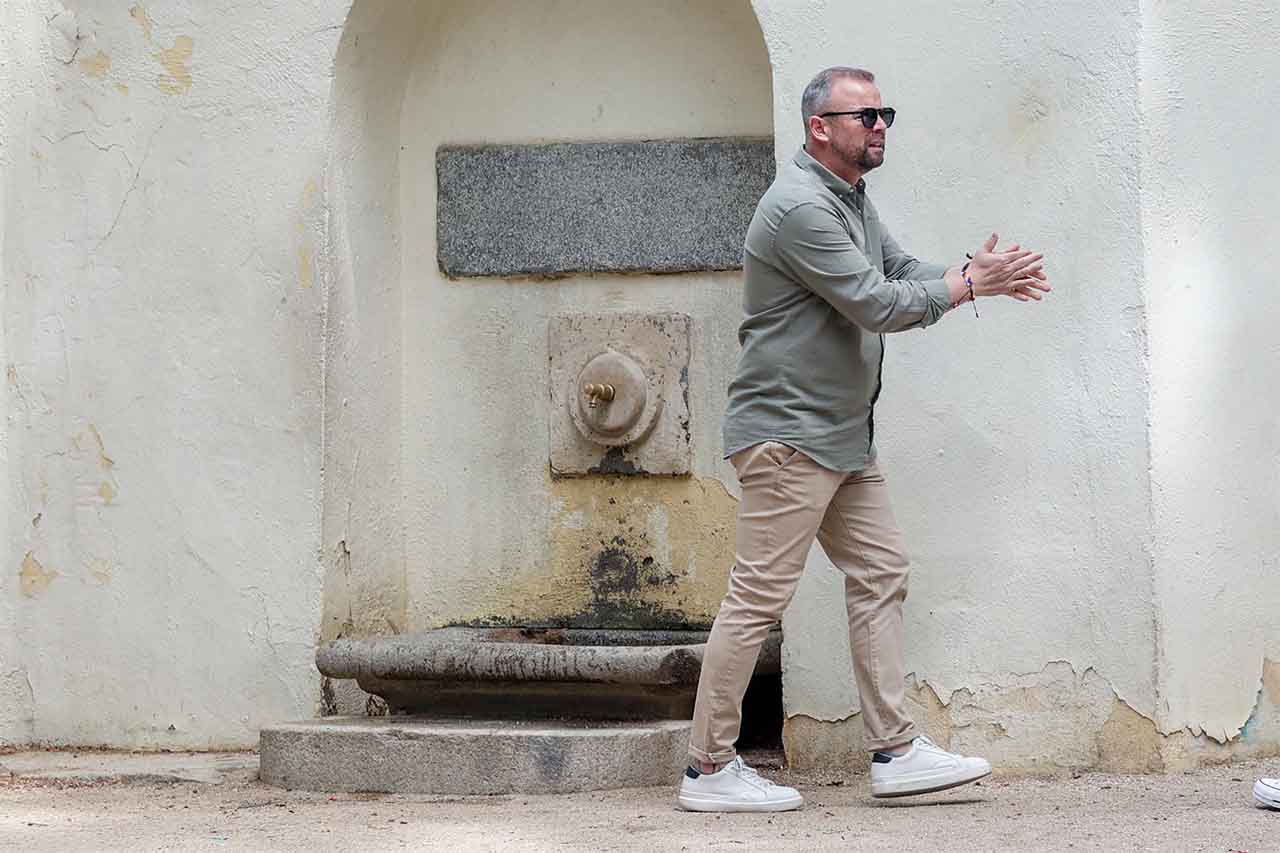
139,14
176,59
96,65
1053,720
97,468
1128,742
34,577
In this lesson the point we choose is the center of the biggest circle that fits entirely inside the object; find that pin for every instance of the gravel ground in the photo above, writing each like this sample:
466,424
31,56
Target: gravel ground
1209,809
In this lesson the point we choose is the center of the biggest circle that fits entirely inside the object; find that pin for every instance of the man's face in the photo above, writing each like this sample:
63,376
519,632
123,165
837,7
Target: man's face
854,144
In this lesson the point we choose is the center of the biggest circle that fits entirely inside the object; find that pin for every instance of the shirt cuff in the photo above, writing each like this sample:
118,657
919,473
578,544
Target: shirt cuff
939,296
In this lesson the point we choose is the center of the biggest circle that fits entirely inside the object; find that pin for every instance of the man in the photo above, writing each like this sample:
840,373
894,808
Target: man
823,282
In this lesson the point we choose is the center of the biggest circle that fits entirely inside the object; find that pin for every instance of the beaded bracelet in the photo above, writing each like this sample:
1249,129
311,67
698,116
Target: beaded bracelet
964,273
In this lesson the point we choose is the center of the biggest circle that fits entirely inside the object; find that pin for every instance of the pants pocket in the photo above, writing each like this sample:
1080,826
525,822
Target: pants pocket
778,453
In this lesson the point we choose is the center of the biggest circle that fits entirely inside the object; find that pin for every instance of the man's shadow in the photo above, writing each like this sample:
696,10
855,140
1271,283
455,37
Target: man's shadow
916,804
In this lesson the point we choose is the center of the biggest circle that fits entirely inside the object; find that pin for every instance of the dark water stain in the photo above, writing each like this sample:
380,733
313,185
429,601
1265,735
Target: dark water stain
620,574
616,462
616,614
684,390
620,568
328,698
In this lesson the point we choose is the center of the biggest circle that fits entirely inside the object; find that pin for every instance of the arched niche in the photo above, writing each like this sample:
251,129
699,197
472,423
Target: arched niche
440,507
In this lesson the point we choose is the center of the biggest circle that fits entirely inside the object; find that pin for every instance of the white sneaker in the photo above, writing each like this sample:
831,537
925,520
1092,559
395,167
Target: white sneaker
1266,793
734,788
923,769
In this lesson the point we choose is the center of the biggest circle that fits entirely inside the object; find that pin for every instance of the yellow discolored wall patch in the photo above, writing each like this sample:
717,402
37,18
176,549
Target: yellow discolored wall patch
33,577
626,552
927,709
1271,681
100,571
139,14
1129,742
97,65
176,61
105,462
306,258
309,191
306,269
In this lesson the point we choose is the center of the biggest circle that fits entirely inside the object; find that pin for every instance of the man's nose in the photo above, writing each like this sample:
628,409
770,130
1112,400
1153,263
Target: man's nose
880,125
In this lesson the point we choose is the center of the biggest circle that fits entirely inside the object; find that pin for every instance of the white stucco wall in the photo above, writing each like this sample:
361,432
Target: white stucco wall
1209,184
362,523
18,51
162,225
1014,443
213,250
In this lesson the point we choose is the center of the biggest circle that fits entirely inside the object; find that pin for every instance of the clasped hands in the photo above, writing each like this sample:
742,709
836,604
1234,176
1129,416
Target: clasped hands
1012,271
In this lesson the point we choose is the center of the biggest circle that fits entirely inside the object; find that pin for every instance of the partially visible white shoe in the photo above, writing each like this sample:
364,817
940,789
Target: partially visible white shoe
1266,793
734,788
923,769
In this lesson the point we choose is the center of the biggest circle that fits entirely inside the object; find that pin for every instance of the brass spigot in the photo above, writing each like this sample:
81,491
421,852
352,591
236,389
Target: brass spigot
597,391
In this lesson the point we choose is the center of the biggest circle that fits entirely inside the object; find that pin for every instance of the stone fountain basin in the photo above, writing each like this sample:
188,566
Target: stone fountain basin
519,673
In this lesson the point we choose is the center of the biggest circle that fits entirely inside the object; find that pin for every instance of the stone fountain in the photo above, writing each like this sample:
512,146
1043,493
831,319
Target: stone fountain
582,676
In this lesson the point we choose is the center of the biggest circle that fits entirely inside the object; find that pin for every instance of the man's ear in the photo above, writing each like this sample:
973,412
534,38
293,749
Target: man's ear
818,129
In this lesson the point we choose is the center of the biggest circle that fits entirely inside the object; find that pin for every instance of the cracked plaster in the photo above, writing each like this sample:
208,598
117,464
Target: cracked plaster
1052,720
1059,507
163,432
156,257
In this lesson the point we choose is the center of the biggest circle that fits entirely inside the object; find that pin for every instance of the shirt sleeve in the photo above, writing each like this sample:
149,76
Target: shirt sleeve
898,264
814,247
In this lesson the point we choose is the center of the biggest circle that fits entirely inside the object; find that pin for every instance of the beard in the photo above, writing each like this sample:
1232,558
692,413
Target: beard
862,157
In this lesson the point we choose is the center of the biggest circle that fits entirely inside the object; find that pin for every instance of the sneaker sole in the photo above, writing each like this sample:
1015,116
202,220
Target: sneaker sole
698,804
930,788
1266,797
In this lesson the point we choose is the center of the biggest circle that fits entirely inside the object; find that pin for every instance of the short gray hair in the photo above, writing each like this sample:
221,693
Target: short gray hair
818,93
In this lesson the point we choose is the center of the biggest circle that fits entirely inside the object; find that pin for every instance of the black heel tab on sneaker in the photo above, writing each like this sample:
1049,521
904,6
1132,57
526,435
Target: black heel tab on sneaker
691,773
881,757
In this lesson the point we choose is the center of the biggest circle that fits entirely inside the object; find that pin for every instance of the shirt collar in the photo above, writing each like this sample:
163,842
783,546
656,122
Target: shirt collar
830,179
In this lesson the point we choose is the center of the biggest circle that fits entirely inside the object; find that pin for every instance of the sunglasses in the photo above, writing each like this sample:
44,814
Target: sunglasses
868,116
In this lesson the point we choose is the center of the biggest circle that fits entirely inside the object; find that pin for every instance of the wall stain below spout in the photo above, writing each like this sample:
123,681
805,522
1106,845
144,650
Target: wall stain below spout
615,462
625,552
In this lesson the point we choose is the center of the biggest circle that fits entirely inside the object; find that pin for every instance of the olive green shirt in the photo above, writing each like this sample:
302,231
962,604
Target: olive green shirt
823,280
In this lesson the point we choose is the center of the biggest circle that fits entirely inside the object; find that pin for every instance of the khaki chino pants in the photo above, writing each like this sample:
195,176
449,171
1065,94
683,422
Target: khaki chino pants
787,500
